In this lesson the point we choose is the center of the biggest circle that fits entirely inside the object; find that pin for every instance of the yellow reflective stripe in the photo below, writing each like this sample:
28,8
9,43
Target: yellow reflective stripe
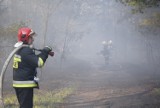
40,62
16,60
25,85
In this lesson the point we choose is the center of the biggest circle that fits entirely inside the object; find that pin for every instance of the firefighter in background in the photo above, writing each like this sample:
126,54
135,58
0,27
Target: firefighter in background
106,52
25,62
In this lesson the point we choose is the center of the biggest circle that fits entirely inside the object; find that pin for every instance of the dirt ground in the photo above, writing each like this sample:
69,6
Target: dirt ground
114,86
117,86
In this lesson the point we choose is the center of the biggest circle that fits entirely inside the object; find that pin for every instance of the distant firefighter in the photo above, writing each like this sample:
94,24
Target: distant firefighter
106,52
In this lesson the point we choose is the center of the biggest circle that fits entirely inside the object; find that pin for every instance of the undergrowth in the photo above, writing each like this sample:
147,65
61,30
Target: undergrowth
42,99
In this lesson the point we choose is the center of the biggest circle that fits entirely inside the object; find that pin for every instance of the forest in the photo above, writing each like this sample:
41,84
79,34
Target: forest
80,75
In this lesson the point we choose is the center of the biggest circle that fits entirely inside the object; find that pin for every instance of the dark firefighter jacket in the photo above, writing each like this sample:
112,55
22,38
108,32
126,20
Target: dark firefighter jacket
25,63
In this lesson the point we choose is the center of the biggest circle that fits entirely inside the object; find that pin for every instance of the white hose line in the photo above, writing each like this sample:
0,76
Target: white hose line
4,70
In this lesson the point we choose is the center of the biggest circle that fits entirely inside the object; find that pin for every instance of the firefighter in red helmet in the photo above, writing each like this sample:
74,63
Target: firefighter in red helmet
25,62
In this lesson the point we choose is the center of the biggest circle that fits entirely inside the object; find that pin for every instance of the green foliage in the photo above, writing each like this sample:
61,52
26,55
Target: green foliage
140,5
154,21
42,99
150,24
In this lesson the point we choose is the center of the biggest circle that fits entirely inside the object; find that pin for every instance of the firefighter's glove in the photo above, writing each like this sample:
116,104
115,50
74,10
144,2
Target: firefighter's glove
47,49
51,53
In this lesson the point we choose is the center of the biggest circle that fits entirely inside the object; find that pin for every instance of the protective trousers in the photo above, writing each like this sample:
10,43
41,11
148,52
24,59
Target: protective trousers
25,97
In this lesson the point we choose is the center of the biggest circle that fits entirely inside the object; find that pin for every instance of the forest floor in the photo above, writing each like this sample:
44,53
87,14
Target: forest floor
115,86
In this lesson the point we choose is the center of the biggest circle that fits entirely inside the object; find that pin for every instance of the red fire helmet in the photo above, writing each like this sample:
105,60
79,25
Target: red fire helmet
24,34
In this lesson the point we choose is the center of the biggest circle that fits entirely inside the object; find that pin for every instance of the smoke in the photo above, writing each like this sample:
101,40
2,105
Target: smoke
76,29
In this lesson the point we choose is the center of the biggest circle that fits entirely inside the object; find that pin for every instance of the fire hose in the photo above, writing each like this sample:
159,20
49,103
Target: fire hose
4,70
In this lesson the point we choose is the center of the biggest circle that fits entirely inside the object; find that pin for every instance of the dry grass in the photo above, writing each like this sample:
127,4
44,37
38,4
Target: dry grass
42,99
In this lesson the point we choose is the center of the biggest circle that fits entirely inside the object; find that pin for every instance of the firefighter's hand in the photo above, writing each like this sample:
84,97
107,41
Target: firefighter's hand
47,49
51,53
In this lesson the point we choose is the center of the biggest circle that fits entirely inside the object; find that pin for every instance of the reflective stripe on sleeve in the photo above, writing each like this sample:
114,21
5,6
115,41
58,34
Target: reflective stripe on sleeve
16,60
40,62
24,84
